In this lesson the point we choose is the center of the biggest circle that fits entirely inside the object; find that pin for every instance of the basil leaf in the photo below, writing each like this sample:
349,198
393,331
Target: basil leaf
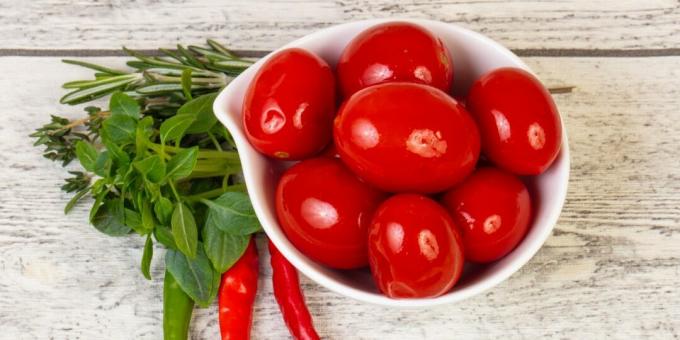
122,104
100,195
108,220
87,155
146,257
163,210
201,109
184,230
163,235
175,127
182,163
196,277
133,220
233,213
120,129
115,152
223,249
102,166
148,222
142,135
152,168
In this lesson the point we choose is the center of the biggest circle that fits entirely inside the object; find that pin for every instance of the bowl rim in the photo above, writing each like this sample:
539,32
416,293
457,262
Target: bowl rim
336,286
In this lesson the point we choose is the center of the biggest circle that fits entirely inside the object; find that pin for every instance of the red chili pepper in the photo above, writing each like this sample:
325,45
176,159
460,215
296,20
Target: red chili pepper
237,295
290,298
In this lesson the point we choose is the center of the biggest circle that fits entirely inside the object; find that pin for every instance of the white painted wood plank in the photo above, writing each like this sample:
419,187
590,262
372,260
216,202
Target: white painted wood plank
611,268
267,24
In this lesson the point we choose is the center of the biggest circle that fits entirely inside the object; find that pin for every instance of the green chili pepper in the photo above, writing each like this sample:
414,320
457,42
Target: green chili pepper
177,309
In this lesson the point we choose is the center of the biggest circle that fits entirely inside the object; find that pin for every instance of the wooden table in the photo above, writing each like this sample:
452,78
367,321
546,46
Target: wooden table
610,269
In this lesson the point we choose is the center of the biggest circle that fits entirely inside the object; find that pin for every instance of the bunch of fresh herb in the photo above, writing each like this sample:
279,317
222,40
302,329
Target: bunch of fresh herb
157,163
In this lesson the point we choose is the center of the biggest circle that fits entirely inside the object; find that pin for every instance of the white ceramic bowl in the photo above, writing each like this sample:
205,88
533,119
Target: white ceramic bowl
473,55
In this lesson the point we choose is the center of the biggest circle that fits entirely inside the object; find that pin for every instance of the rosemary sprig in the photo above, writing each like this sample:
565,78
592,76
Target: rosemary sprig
160,82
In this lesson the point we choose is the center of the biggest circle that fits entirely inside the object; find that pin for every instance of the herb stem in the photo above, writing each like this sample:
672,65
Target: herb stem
214,141
204,154
174,191
79,122
215,192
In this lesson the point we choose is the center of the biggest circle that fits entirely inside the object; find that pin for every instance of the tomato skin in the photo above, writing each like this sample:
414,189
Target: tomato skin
330,151
493,210
414,248
518,121
406,137
395,51
289,106
325,211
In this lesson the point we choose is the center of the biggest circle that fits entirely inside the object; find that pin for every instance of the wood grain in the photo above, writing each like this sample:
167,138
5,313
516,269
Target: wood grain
610,270
265,25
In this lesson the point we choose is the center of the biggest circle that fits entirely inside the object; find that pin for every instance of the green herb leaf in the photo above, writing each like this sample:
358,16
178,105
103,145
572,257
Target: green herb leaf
223,249
87,155
93,66
175,127
120,129
233,213
152,168
102,166
196,277
142,134
133,220
184,230
122,104
146,257
202,110
108,219
72,202
119,157
163,210
182,163
99,191
148,222
186,83
163,235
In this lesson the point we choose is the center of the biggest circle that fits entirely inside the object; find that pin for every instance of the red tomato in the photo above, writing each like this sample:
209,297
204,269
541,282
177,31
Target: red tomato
395,51
413,248
406,137
518,121
289,106
492,208
330,151
325,212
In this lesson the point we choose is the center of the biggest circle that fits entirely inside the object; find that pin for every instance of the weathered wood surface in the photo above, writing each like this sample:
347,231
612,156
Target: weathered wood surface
611,268
264,25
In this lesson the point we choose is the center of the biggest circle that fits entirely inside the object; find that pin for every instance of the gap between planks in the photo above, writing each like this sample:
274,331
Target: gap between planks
607,53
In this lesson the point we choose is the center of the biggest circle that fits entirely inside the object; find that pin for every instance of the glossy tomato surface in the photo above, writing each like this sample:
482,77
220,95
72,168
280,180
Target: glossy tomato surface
492,208
289,106
325,212
518,121
414,248
395,51
406,137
